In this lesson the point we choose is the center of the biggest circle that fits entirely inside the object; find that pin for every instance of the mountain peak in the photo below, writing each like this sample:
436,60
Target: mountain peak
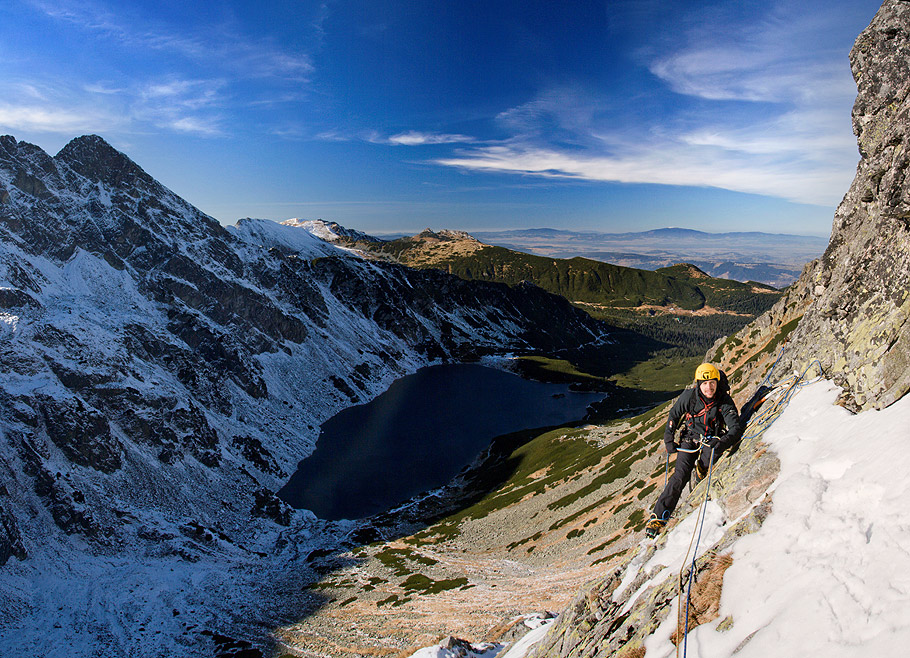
329,231
444,235
94,141
93,157
687,269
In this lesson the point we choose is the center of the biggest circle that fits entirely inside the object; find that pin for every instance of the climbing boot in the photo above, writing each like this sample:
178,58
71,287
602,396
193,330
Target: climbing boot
654,526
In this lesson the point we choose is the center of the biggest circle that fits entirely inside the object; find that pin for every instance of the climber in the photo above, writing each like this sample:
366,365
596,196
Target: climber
709,423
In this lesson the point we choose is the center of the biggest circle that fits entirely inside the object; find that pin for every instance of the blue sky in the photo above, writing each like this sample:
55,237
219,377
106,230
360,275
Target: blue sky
392,116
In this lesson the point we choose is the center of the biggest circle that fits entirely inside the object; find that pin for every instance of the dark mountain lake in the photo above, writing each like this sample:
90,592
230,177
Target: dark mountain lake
419,434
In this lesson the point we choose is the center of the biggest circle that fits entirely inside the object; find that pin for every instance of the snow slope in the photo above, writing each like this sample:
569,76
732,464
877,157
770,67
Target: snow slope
828,573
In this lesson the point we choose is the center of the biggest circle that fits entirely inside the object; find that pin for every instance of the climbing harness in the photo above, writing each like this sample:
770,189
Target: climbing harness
689,418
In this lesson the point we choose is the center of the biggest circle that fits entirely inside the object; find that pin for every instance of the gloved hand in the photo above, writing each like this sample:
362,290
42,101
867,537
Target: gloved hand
712,442
671,448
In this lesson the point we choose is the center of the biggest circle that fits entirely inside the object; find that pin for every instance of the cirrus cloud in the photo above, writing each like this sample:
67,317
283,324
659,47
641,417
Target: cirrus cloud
679,164
42,119
415,138
750,110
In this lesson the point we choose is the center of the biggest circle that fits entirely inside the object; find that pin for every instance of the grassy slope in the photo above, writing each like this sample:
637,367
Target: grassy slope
578,279
581,279
591,281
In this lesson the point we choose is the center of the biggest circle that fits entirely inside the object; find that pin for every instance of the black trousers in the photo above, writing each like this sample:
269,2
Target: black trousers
685,462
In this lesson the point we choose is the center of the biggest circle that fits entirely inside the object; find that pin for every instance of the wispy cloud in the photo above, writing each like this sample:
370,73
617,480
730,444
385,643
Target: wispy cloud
669,164
189,106
36,118
415,138
195,125
408,138
218,71
180,93
102,88
57,107
802,153
94,18
562,110
735,73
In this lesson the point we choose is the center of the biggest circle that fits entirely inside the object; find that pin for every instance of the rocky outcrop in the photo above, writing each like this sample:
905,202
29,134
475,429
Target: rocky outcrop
756,351
10,539
848,315
858,322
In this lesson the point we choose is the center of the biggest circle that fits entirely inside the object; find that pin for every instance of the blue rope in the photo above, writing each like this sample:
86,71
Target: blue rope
701,526
776,361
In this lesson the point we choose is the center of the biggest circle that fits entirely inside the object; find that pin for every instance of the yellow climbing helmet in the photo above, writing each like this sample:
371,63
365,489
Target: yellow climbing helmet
706,371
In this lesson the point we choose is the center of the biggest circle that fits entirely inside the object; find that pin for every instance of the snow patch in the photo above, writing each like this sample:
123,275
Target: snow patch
457,649
521,648
679,540
269,234
452,648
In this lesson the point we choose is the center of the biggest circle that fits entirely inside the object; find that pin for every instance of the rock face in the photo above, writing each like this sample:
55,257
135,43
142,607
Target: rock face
858,322
163,374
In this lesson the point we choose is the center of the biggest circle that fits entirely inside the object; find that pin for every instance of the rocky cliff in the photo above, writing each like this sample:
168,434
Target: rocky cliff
858,321
161,377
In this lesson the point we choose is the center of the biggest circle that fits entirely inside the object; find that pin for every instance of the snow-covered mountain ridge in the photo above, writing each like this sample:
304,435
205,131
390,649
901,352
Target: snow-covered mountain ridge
329,231
162,375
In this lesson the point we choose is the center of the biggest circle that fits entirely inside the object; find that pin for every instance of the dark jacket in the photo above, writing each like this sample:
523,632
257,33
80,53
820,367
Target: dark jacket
697,417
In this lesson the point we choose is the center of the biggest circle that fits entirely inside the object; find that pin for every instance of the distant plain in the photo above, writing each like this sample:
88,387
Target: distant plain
770,258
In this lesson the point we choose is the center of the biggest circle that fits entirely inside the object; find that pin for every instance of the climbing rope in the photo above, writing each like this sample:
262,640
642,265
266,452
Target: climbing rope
776,361
779,397
696,539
